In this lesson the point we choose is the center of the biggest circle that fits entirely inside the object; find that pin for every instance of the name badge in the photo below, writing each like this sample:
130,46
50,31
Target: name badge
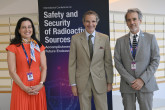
30,76
133,65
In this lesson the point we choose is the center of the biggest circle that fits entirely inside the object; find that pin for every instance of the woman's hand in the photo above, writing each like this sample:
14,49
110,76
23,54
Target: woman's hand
36,88
28,90
33,90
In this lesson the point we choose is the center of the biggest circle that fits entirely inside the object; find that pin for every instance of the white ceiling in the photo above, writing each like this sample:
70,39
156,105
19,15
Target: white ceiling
146,6
31,6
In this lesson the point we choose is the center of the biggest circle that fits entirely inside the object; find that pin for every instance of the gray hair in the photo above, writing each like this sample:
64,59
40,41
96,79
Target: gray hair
90,12
134,10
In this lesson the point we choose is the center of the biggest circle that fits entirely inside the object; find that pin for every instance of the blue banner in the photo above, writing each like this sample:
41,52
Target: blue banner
58,21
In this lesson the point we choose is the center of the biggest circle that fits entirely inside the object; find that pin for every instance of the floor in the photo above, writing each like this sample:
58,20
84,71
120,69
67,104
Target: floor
5,102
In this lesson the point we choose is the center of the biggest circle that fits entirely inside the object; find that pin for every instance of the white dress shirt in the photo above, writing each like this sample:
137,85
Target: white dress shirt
131,37
93,38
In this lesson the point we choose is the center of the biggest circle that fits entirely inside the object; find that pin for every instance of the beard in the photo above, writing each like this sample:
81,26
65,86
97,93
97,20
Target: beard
134,29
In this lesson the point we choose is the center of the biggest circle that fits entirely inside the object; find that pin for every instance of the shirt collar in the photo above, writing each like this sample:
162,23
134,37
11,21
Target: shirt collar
131,35
87,34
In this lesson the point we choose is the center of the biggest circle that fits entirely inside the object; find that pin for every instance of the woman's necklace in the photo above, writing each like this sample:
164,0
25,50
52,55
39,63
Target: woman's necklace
26,41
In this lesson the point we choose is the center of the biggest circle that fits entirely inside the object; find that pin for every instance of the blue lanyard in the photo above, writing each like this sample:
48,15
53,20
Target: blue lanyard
131,46
29,63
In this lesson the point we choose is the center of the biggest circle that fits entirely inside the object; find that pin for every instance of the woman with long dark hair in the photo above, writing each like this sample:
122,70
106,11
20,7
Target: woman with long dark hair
25,56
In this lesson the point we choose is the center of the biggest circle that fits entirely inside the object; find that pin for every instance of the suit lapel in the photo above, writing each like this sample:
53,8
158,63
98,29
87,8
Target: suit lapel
127,42
96,44
140,44
84,43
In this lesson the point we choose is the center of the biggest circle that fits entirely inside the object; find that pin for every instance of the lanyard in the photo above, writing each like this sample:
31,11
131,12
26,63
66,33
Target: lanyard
131,46
29,63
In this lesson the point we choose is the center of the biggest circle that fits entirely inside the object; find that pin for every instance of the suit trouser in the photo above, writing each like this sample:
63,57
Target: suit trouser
145,100
100,100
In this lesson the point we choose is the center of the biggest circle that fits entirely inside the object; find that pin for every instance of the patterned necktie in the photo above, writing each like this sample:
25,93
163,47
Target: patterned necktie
90,46
134,44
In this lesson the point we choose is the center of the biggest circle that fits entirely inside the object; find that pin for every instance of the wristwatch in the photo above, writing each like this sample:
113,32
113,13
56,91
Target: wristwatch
42,83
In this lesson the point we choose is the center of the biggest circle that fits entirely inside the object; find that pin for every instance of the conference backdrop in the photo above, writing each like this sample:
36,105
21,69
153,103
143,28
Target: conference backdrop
58,21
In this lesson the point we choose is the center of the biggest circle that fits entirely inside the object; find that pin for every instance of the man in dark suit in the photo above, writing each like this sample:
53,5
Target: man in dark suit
90,65
137,59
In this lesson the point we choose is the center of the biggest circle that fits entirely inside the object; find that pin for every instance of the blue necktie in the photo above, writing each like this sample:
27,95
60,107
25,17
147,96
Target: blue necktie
134,45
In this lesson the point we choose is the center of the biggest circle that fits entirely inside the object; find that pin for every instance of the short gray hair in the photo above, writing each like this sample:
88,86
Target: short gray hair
90,12
134,10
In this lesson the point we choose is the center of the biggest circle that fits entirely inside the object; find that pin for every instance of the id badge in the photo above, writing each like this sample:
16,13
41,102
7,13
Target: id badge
30,76
133,65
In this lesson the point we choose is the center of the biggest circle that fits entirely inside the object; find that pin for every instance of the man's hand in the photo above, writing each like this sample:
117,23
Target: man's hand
109,87
74,90
137,84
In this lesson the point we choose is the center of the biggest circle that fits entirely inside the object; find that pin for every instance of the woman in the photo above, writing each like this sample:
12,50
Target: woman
25,56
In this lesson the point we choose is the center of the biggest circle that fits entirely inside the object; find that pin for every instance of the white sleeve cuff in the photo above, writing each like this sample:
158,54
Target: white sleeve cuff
73,84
